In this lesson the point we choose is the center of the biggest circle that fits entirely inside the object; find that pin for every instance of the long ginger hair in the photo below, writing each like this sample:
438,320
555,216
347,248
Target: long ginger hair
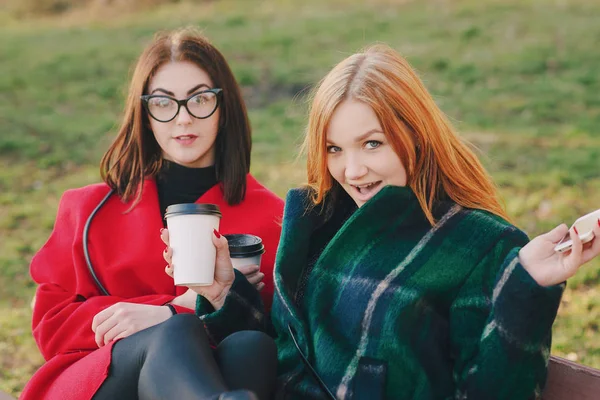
135,155
438,162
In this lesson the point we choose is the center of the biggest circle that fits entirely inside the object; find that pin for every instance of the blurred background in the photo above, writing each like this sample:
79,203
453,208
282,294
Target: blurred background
519,78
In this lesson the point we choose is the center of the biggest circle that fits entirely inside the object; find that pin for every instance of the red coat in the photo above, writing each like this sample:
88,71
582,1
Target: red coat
126,251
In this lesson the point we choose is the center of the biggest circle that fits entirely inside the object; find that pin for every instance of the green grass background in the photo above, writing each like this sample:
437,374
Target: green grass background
519,78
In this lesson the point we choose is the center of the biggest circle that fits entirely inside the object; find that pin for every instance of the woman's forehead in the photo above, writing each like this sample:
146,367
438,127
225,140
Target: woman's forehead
351,121
179,77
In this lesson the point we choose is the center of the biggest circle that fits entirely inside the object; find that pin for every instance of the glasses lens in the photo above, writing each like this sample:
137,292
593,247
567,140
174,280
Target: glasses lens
162,108
202,104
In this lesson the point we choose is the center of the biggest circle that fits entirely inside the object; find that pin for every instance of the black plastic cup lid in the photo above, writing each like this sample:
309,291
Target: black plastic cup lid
192,208
243,245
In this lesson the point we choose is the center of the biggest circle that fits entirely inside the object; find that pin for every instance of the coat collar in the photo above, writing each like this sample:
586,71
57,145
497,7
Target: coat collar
214,195
301,222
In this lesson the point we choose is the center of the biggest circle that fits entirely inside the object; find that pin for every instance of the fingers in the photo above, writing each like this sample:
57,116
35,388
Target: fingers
168,255
101,317
592,249
122,335
219,241
103,329
111,334
167,252
577,246
556,234
256,278
253,275
249,269
164,235
221,245
224,274
574,259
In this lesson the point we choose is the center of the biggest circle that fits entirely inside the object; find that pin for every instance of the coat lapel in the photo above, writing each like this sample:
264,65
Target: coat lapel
367,226
293,248
120,239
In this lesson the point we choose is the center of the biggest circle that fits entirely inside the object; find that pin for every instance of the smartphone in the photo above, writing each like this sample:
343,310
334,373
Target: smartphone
585,226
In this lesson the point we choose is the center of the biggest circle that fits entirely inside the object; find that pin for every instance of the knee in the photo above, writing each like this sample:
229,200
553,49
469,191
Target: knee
250,340
180,325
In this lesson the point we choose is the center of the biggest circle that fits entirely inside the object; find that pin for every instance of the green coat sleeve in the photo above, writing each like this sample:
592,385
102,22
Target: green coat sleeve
243,310
501,322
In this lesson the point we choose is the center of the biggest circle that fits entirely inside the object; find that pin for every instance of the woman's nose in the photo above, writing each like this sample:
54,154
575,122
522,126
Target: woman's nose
355,168
184,117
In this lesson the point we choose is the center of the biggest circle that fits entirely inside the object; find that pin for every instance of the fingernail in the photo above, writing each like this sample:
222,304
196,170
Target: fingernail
161,230
217,234
575,229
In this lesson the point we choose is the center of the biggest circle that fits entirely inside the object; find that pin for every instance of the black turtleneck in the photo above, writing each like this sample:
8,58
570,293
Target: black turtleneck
178,184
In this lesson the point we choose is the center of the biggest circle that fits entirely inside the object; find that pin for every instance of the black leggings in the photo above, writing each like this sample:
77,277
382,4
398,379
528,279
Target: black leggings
174,360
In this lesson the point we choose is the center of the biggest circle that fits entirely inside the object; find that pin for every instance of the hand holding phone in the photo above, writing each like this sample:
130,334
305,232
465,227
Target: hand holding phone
547,259
583,227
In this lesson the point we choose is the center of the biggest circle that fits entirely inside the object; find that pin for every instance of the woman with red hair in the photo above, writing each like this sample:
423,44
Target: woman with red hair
398,275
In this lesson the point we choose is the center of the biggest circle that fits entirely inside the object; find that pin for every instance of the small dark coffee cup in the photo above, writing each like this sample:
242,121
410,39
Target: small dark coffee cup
245,249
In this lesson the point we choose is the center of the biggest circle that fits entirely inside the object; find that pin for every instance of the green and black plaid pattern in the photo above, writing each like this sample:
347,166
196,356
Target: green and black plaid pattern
397,307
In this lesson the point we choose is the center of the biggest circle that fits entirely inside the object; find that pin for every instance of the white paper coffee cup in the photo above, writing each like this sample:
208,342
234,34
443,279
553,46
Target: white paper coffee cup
240,262
245,249
191,228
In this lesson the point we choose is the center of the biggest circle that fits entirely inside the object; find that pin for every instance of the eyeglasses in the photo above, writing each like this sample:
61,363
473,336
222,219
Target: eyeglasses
199,105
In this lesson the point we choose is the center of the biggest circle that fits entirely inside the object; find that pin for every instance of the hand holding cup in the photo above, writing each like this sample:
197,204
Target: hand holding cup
246,252
224,275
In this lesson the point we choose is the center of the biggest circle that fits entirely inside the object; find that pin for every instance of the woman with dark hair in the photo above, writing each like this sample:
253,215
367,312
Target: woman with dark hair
104,316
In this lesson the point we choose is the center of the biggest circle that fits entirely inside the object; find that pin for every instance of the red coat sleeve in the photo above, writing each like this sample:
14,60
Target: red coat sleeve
62,321
67,299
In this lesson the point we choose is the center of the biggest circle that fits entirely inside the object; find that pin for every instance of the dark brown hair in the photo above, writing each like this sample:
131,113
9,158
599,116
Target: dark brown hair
135,155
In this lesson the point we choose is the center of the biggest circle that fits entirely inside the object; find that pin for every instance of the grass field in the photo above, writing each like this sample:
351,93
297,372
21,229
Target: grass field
518,77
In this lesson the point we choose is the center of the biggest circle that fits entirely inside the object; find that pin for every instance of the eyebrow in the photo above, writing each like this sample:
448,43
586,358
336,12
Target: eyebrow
192,90
364,135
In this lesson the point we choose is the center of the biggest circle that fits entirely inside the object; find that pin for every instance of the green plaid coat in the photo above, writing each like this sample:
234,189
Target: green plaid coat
392,308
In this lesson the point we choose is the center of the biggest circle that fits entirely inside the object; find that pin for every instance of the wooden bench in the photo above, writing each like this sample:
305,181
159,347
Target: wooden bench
571,381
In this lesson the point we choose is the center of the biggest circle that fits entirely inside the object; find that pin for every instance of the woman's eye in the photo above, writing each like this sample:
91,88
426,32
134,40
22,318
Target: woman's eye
333,149
201,99
160,102
372,144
